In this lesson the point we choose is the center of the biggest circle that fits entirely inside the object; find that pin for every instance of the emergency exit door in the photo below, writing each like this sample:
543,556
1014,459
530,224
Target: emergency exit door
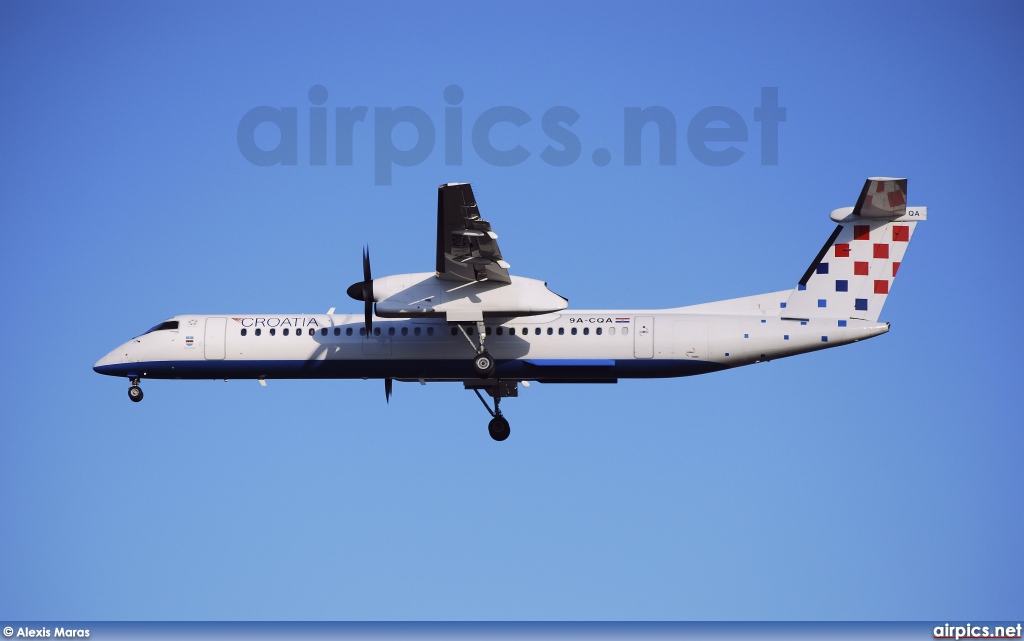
643,337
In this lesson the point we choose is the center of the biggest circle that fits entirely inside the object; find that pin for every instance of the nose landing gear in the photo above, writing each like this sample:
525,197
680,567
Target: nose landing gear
135,392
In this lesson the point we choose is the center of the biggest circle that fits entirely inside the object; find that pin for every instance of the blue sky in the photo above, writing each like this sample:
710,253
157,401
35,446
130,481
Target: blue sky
876,481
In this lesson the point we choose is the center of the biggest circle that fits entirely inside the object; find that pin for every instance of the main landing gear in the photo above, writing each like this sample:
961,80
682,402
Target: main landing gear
483,363
484,366
135,392
498,427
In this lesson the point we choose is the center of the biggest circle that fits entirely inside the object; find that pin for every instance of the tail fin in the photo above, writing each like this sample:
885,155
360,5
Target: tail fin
853,273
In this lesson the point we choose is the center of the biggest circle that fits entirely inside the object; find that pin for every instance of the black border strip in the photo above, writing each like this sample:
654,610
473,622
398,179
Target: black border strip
821,254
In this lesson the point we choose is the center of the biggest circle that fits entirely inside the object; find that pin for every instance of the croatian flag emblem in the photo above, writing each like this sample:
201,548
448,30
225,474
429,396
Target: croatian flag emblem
188,341
621,320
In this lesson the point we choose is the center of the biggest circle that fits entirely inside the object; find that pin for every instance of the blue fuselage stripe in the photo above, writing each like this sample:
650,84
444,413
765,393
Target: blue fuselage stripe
411,369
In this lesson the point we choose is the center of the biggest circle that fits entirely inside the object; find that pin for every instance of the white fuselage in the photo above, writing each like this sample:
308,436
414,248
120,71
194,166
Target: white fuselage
583,345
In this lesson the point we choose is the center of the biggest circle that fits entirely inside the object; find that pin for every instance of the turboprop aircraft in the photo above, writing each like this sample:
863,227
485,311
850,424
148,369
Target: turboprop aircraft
471,322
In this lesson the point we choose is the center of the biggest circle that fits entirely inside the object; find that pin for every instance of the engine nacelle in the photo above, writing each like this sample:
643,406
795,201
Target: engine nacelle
425,295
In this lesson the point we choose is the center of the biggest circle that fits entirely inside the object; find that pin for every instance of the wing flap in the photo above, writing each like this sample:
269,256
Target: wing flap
467,248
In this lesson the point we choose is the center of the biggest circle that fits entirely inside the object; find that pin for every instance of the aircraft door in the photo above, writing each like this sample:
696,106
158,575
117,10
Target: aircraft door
690,340
213,344
643,337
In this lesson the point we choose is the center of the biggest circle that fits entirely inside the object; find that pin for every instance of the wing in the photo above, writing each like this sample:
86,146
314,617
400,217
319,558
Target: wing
467,249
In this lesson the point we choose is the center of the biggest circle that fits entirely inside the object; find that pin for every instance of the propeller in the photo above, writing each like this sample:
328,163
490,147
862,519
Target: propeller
387,389
363,290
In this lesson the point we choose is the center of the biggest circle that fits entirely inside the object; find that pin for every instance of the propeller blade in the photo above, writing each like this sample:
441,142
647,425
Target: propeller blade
387,389
367,290
363,290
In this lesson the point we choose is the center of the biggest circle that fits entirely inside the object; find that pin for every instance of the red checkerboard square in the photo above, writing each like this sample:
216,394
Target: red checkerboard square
842,250
881,287
900,234
881,250
895,268
860,268
862,232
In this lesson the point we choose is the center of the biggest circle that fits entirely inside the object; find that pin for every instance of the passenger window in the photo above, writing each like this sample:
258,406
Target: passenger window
430,331
284,332
337,331
561,331
243,331
469,331
273,331
611,331
537,331
362,331
625,330
598,331
405,331
500,331
550,331
258,331
573,331
348,331
323,332
376,331
391,331
586,331
416,331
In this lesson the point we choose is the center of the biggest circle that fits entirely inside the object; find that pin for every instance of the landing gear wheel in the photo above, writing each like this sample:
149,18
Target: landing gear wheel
484,365
135,393
498,428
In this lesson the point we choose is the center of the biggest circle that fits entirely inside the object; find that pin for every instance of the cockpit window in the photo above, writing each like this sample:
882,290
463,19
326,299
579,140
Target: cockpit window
164,325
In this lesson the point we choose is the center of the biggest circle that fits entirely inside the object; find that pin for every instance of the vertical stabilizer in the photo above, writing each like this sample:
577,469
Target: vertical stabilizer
852,275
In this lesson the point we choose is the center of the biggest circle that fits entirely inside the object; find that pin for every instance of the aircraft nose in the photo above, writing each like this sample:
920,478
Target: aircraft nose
109,359
111,364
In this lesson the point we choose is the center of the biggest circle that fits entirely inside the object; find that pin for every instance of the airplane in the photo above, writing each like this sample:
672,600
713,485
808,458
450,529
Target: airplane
472,322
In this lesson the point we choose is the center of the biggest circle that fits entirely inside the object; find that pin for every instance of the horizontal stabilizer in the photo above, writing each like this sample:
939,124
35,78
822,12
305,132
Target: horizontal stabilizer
882,198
